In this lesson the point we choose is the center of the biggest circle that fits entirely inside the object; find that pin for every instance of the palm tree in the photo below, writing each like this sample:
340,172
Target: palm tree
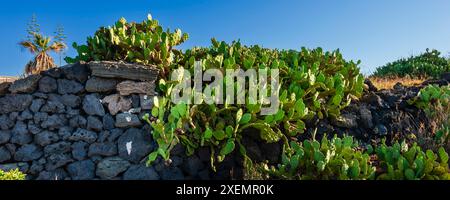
40,45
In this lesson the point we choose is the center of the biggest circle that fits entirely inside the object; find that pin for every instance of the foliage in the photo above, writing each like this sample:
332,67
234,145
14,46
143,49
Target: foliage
40,45
145,43
342,159
313,83
12,175
435,101
427,64
400,162
329,159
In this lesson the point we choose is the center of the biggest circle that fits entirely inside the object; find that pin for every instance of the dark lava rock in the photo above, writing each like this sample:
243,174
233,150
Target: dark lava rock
141,172
70,100
57,148
76,71
108,122
94,124
172,173
124,120
20,134
92,105
57,174
97,84
53,107
5,155
79,150
15,102
22,166
192,166
380,129
47,85
110,167
54,122
134,145
25,85
83,135
102,149
4,88
5,122
4,136
78,122
82,170
69,86
45,138
55,161
36,105
28,152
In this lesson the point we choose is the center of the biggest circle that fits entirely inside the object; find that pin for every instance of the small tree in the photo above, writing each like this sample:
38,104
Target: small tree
40,45
60,37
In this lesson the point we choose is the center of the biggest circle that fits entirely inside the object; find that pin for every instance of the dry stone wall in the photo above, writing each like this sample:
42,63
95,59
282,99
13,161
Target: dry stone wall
83,121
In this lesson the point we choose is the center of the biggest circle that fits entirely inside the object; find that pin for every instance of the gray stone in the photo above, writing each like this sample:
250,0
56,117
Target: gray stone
65,132
124,120
108,122
33,128
5,155
115,133
55,161
79,151
54,122
146,102
69,86
94,124
25,85
117,103
81,170
111,167
83,135
97,84
111,69
25,115
20,134
72,112
40,95
39,117
15,102
139,142
45,138
57,148
28,152
71,100
92,105
4,136
102,149
55,72
140,172
366,117
36,168
78,122
77,71
11,147
36,105
5,122
47,85
126,88
53,107
57,174
172,173
13,116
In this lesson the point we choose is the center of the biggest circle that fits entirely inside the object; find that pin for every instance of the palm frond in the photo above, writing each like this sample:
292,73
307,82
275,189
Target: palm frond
57,47
29,45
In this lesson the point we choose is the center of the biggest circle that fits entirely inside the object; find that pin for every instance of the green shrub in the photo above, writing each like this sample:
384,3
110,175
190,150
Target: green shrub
145,43
428,64
12,175
343,159
329,159
313,83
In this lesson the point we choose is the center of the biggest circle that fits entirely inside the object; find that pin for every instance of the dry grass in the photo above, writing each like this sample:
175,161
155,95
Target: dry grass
8,79
388,83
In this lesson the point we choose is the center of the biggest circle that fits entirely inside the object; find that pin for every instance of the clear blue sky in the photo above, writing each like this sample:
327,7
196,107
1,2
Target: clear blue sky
374,32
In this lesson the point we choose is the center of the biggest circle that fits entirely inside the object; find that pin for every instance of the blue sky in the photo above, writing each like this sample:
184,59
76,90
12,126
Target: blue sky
374,32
